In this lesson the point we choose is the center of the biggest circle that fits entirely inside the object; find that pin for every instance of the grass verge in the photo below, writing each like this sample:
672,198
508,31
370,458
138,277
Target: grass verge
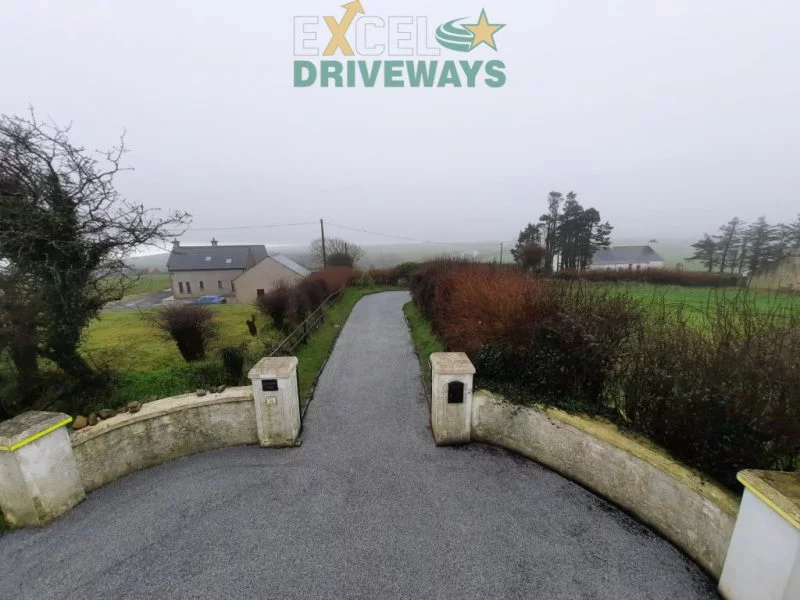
425,342
313,355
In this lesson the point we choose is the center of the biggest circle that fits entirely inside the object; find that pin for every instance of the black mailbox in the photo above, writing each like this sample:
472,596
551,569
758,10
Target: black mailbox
455,392
269,385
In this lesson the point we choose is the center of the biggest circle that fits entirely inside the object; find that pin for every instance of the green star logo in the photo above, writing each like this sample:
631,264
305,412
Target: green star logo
465,38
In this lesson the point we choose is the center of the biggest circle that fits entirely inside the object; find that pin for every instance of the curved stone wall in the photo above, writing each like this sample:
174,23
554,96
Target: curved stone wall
161,431
694,514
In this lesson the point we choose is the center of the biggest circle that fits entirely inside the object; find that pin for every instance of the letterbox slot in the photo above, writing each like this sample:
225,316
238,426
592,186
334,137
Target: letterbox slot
455,392
269,385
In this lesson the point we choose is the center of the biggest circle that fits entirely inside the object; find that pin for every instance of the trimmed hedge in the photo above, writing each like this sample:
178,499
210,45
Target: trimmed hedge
722,397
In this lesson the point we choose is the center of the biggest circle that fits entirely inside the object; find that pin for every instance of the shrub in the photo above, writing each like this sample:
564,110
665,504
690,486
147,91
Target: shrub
476,305
565,350
404,272
724,398
277,304
191,326
381,277
335,277
233,364
719,390
425,281
654,276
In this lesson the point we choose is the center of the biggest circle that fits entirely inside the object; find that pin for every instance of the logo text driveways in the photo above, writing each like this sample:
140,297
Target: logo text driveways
414,50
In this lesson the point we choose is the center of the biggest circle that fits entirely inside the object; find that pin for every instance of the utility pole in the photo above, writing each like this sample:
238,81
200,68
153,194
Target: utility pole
324,253
502,245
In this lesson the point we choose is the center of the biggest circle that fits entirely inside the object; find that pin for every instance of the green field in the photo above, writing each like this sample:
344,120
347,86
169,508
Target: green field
147,365
125,341
700,299
149,283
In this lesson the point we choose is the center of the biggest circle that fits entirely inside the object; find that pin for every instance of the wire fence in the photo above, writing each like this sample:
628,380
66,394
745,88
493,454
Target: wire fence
290,343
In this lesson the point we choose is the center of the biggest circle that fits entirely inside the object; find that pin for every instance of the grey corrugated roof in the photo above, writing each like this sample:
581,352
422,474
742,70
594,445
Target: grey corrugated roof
215,258
630,255
290,264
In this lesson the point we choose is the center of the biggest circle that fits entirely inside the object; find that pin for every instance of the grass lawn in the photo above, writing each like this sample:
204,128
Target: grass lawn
149,283
125,341
148,366
425,341
315,352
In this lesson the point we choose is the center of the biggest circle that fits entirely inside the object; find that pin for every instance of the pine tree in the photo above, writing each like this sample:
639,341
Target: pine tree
531,235
729,241
706,251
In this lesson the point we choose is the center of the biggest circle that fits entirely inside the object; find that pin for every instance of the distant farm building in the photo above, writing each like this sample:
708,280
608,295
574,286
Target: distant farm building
786,276
627,257
239,273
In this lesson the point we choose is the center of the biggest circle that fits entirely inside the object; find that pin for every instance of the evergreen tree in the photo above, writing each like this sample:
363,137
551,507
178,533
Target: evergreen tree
729,241
760,236
531,235
706,251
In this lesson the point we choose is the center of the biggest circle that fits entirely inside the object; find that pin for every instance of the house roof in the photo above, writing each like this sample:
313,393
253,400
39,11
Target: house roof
215,258
622,255
290,264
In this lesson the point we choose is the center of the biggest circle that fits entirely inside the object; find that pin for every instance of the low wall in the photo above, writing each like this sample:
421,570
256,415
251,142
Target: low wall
161,431
695,515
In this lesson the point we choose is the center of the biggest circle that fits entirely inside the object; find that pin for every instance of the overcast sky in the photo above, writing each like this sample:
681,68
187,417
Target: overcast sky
669,116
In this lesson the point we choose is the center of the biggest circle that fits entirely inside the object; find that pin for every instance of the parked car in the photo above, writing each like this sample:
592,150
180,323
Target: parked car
211,300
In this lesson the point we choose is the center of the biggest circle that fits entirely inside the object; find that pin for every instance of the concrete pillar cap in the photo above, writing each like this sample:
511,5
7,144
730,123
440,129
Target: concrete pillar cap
777,489
274,368
451,363
29,427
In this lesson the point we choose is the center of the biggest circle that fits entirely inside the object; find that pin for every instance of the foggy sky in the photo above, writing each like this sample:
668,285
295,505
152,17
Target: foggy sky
669,116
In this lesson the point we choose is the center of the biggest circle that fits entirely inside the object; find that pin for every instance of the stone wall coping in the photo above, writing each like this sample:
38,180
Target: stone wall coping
29,427
780,491
276,367
451,363
643,449
159,408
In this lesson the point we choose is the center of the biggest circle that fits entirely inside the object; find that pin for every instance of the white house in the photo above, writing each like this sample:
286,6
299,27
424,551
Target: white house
627,257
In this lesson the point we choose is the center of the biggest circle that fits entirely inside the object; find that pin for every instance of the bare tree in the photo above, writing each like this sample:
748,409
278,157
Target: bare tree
341,253
65,232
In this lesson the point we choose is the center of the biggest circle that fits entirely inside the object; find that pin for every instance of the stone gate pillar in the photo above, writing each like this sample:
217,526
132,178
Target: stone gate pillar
277,401
451,398
39,478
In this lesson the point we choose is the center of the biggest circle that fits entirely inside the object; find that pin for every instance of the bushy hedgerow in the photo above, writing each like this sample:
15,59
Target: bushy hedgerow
719,390
654,276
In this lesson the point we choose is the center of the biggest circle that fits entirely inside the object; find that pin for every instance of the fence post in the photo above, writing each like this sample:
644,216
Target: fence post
451,398
277,401
39,477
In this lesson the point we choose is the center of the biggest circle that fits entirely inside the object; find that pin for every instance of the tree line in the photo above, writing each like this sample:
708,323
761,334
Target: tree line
567,231
747,249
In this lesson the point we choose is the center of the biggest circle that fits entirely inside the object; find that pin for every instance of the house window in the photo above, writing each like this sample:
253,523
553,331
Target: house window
259,293
219,284
202,285
188,288
180,287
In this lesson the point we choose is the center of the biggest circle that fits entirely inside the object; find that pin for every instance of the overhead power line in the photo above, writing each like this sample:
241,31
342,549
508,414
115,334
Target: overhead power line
389,235
243,227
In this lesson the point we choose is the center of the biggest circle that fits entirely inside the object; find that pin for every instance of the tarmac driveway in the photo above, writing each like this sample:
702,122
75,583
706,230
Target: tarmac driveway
367,508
